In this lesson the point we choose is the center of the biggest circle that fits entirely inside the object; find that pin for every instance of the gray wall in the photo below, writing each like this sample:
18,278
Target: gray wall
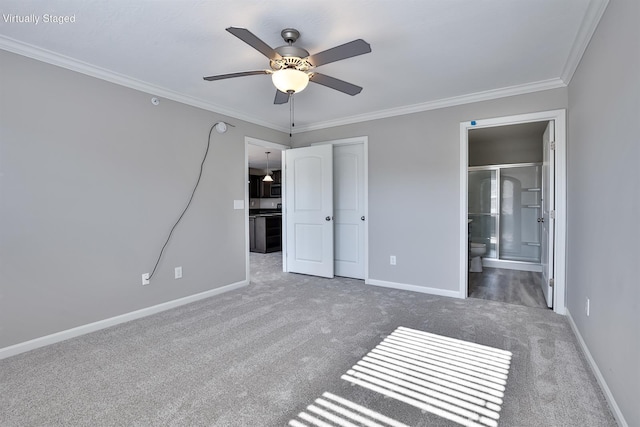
604,202
92,176
414,186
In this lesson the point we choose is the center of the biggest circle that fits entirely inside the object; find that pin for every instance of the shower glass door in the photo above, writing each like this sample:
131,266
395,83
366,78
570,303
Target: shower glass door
520,211
505,210
483,209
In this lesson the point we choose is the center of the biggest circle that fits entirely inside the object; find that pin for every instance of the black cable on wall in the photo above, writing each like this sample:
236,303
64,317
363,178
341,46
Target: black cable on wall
221,127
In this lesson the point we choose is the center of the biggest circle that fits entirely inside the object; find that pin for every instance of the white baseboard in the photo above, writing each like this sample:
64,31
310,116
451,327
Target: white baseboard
617,413
414,288
112,321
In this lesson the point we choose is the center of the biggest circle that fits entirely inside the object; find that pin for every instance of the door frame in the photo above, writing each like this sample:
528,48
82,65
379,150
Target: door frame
364,140
560,232
261,143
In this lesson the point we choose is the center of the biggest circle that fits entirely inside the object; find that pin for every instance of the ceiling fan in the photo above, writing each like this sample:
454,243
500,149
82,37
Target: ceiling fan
291,67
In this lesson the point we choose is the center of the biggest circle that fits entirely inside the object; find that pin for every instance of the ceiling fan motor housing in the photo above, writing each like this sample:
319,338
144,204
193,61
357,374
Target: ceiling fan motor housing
290,35
292,62
292,56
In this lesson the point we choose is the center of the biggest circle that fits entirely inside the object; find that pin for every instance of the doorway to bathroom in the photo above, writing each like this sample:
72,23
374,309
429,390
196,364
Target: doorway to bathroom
504,205
513,198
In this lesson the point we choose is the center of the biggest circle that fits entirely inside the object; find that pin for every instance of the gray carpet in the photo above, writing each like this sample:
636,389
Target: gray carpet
258,356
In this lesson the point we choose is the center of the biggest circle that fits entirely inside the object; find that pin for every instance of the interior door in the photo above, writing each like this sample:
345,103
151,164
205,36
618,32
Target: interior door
548,211
309,210
348,198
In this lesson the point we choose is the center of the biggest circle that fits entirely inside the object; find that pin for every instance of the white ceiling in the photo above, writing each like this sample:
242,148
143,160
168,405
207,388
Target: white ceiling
425,53
258,159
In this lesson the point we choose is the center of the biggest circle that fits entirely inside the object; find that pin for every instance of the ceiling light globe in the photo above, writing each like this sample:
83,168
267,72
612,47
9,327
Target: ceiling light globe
290,80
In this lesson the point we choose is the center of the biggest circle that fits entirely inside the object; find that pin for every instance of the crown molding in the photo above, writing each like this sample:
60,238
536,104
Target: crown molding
592,17
441,103
44,55
69,63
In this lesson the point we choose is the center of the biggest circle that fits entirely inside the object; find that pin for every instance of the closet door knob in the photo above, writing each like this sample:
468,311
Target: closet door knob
362,218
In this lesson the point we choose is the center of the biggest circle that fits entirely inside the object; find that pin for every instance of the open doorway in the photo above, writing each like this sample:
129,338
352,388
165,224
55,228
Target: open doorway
263,199
512,215
504,182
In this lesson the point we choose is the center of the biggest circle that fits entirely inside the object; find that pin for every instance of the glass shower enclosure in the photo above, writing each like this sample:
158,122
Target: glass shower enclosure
504,203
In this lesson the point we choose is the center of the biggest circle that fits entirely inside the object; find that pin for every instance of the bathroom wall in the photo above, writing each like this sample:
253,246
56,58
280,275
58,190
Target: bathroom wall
506,144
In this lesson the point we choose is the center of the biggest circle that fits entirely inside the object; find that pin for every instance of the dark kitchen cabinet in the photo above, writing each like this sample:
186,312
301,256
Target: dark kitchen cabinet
266,190
252,234
277,177
267,233
255,186
259,189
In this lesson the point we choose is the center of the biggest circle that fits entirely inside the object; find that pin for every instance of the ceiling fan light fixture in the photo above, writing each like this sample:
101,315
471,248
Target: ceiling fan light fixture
290,80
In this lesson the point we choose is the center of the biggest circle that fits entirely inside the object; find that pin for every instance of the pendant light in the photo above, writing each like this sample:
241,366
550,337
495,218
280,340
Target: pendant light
267,177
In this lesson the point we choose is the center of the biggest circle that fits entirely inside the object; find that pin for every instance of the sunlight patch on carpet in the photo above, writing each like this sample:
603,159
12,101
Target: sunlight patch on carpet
461,381
331,410
458,380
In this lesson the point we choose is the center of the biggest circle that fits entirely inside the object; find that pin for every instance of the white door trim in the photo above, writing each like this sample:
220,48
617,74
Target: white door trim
364,140
559,116
261,143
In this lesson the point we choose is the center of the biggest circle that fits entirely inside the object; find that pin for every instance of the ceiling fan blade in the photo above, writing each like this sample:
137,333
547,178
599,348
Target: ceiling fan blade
281,97
347,50
249,38
232,75
337,84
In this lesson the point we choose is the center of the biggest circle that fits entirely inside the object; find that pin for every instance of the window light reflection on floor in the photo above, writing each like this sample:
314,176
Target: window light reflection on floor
342,412
454,379
458,380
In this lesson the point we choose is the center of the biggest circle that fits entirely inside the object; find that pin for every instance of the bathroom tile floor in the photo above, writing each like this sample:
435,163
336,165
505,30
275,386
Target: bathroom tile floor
509,286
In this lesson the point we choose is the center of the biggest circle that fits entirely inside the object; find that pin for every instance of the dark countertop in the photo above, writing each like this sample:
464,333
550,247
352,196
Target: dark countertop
253,213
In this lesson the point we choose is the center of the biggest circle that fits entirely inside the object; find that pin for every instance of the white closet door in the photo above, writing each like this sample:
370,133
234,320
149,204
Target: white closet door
309,210
348,198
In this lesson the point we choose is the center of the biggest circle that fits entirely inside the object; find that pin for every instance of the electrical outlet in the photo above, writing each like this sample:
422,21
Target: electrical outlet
587,307
145,279
178,272
392,260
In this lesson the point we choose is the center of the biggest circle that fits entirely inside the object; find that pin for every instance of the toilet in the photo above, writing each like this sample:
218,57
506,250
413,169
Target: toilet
476,251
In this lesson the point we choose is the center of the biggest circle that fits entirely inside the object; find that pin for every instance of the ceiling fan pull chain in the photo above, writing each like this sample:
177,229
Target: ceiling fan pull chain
291,109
